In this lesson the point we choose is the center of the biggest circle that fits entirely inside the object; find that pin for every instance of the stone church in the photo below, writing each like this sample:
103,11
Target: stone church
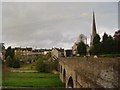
94,32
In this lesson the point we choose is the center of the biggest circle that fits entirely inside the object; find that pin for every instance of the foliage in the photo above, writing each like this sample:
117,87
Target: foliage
117,40
40,65
16,63
108,45
96,39
12,63
9,61
117,35
48,55
81,48
9,52
95,49
44,64
105,37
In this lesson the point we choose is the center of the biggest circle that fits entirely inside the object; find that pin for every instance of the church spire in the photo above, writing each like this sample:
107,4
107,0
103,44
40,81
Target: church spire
94,25
93,29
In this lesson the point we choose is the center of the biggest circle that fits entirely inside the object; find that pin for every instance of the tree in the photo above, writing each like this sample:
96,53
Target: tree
95,49
96,39
107,44
16,63
105,37
42,64
117,41
110,44
9,61
9,52
45,64
117,35
81,48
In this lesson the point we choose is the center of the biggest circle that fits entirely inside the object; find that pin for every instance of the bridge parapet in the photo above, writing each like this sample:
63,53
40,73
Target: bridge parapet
91,72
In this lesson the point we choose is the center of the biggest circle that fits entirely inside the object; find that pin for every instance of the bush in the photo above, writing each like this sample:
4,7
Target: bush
9,61
41,64
16,63
45,65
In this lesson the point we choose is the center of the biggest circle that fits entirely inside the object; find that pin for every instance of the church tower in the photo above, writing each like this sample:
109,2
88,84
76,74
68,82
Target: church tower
93,30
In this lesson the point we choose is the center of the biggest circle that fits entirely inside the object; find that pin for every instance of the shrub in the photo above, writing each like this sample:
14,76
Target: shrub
16,63
45,65
9,61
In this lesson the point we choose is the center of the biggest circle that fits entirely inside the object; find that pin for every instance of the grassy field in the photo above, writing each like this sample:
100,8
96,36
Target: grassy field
28,66
37,80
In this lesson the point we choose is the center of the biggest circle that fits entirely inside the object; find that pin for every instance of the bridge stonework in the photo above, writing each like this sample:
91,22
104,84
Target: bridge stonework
77,72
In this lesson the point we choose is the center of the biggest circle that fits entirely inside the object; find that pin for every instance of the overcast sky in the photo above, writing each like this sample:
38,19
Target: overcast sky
55,24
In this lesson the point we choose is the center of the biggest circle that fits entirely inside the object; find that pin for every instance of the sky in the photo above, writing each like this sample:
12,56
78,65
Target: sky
55,24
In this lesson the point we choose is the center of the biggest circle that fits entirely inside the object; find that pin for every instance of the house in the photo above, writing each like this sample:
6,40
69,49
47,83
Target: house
23,51
74,49
47,51
37,51
56,53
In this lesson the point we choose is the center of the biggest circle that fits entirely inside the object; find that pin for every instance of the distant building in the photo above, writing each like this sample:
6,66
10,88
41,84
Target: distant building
30,51
56,53
2,51
46,51
82,38
37,51
74,49
68,53
23,51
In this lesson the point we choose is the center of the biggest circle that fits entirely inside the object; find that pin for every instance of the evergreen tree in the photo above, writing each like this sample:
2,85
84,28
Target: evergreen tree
105,37
107,44
81,48
95,49
9,52
96,39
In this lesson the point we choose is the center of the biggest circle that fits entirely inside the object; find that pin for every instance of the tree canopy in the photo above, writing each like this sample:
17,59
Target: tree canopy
108,45
96,39
9,52
81,48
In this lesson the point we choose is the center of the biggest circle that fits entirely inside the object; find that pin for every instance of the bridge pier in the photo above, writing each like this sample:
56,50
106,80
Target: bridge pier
66,77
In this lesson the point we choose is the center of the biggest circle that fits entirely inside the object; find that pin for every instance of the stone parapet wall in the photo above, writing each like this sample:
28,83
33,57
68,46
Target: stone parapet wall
97,72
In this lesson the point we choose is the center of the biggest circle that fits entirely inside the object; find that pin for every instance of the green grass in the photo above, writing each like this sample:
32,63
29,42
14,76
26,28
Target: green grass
30,74
37,80
27,66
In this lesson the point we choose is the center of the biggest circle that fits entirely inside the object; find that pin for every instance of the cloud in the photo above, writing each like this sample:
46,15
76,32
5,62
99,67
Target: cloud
47,25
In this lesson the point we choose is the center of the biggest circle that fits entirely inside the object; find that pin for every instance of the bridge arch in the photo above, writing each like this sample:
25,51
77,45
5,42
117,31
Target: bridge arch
70,83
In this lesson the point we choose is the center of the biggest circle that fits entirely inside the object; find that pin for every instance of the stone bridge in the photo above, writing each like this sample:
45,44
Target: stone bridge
83,72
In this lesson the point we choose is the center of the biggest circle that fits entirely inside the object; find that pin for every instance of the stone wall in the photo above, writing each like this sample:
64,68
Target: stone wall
93,72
